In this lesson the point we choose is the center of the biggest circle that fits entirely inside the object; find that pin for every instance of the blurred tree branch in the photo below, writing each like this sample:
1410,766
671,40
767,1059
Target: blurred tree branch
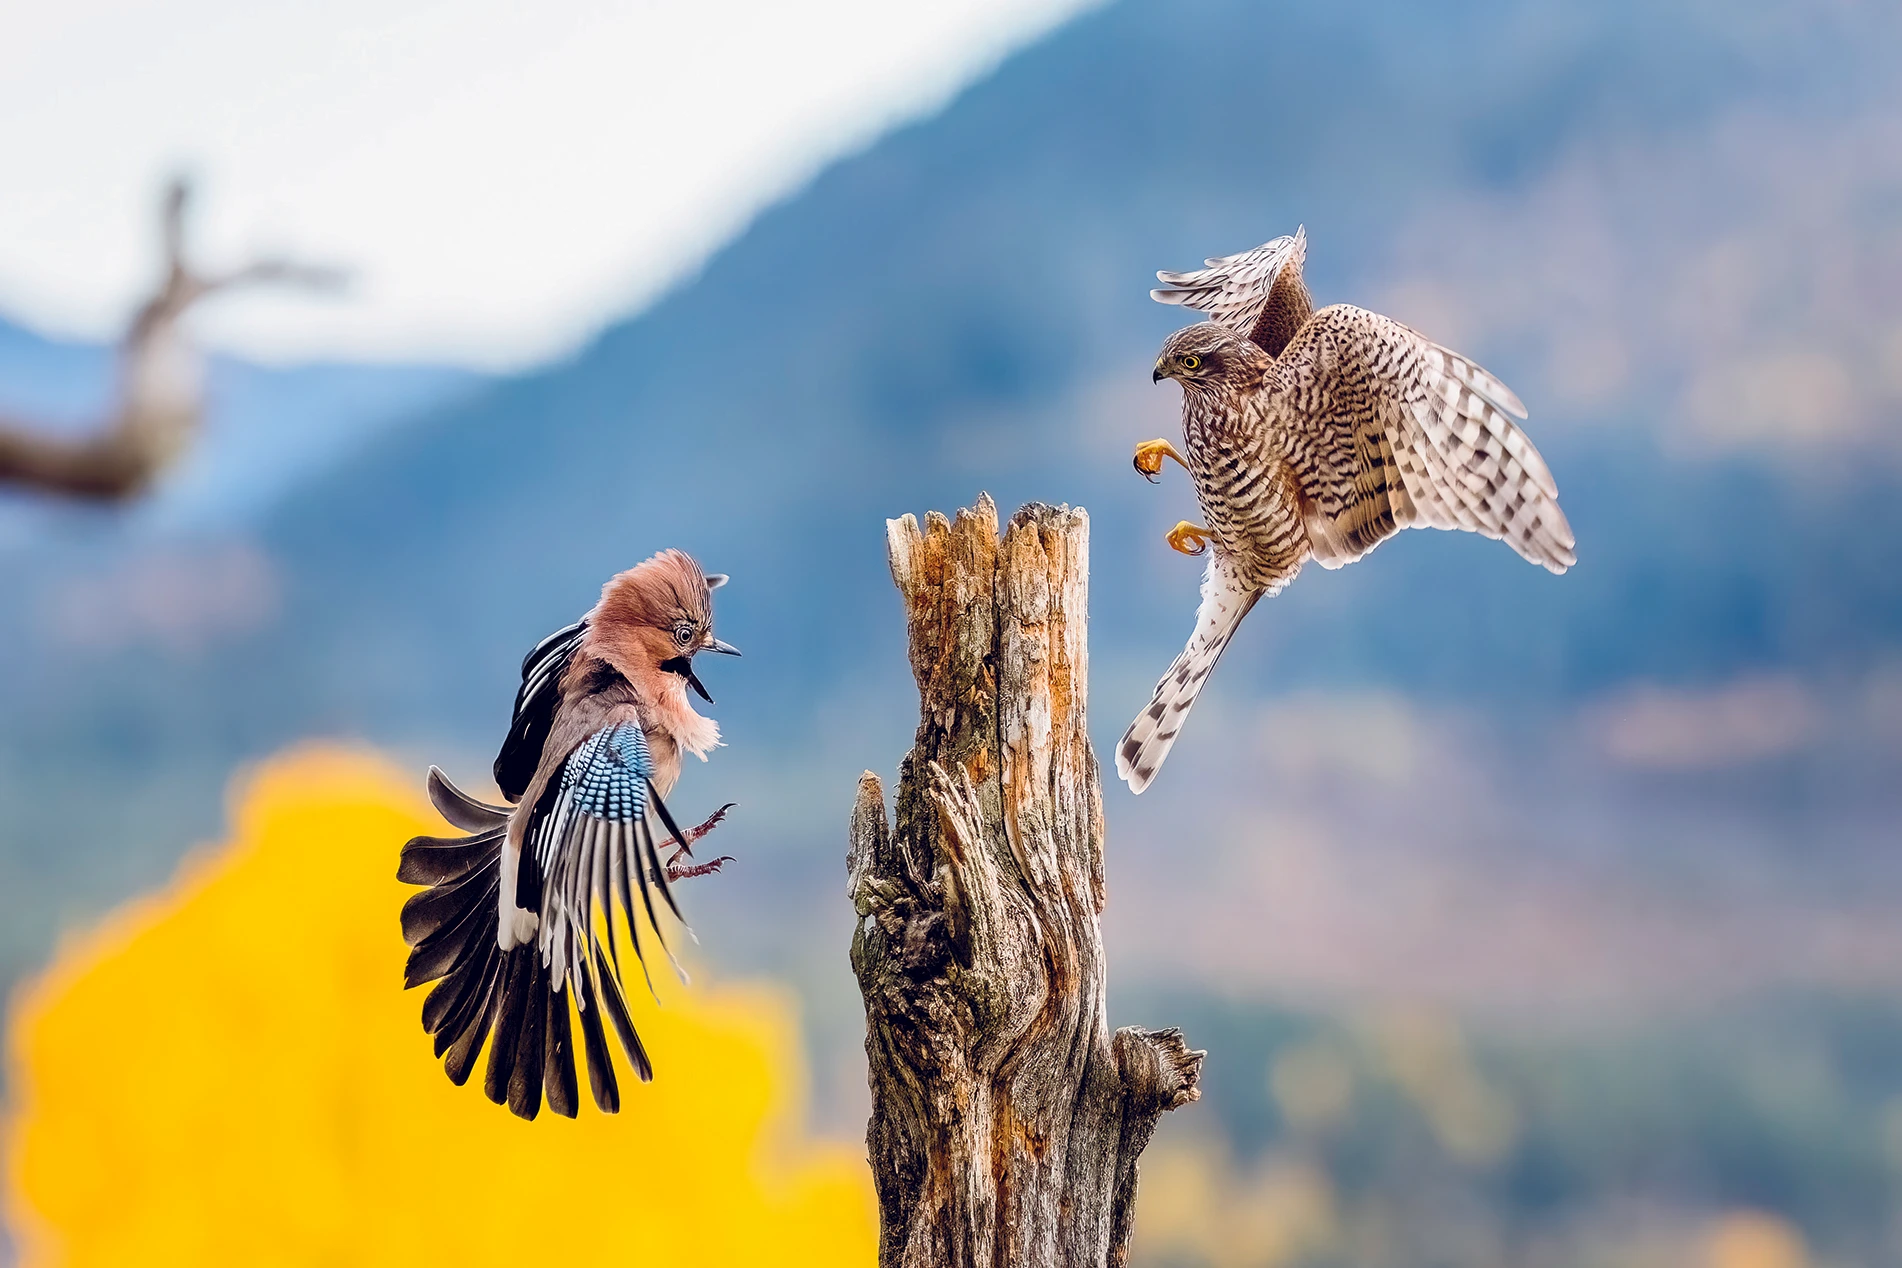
1006,1118
161,392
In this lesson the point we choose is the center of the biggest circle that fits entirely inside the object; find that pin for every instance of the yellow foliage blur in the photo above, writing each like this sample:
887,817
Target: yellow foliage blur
229,1072
1754,1239
1427,1056
1195,1206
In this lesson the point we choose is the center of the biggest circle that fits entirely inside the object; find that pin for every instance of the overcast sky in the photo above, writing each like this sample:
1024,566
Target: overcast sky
502,176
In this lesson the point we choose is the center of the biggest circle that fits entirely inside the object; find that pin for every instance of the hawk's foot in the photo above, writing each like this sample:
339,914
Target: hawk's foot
1149,456
1190,539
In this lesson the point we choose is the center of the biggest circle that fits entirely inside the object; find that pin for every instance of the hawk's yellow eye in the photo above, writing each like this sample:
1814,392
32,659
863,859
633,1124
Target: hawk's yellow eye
1192,362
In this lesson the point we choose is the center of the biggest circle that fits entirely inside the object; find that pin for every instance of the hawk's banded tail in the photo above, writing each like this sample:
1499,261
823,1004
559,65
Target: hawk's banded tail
1225,601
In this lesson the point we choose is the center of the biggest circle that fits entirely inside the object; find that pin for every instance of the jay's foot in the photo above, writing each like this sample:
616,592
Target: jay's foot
680,867
679,871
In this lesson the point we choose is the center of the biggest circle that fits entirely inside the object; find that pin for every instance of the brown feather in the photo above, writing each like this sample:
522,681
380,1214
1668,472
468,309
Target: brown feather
461,1055
616,1009
513,1010
433,910
450,998
525,1080
442,951
439,860
594,1044
558,1058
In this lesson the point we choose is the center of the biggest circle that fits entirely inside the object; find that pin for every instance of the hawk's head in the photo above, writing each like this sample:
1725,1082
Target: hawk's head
1210,356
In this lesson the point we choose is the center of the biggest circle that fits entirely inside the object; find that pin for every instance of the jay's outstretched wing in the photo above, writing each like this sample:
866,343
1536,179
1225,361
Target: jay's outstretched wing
588,846
535,704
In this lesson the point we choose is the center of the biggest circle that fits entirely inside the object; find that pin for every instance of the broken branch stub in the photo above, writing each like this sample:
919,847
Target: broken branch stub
1006,1120
161,395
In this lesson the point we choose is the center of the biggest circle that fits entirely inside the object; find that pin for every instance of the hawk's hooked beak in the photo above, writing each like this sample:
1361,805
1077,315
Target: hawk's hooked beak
1156,375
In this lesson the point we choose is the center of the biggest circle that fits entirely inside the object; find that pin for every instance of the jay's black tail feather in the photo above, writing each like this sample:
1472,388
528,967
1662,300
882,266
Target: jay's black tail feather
483,993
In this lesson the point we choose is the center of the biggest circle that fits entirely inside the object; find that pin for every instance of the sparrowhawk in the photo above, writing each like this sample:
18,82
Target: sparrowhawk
1320,435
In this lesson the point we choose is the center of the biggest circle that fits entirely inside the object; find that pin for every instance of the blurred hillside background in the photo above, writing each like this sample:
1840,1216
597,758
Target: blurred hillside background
1528,921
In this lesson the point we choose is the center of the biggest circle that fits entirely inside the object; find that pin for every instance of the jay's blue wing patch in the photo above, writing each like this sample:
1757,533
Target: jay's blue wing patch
592,839
607,776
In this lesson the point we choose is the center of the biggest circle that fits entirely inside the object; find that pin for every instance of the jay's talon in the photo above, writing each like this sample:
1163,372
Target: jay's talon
676,871
694,834
1149,456
713,821
1190,539
679,865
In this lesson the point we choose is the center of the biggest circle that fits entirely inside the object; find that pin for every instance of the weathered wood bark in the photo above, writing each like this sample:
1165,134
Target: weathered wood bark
1006,1121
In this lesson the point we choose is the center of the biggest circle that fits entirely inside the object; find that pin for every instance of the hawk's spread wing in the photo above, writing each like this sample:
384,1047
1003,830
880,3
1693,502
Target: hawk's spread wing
1392,430
1234,289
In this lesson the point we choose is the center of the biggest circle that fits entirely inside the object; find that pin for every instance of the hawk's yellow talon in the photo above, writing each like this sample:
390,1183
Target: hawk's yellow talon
1190,539
1149,456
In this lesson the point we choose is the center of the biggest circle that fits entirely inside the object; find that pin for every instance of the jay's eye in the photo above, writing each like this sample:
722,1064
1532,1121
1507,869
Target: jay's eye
683,634
1192,362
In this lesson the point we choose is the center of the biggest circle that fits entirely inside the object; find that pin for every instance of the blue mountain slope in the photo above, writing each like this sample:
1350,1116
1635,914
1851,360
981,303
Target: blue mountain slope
933,316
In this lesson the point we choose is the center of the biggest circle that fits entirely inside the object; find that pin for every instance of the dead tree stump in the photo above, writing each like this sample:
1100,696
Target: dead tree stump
1006,1120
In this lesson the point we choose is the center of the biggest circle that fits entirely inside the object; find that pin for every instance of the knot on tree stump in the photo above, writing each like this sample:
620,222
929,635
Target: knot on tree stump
1006,1122
1160,1071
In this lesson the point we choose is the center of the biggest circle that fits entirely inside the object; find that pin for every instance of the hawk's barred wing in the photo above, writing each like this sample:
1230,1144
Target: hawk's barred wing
1235,290
1394,431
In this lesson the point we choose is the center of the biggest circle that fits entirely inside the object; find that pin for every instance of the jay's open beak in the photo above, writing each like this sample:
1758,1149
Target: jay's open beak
683,665
693,680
